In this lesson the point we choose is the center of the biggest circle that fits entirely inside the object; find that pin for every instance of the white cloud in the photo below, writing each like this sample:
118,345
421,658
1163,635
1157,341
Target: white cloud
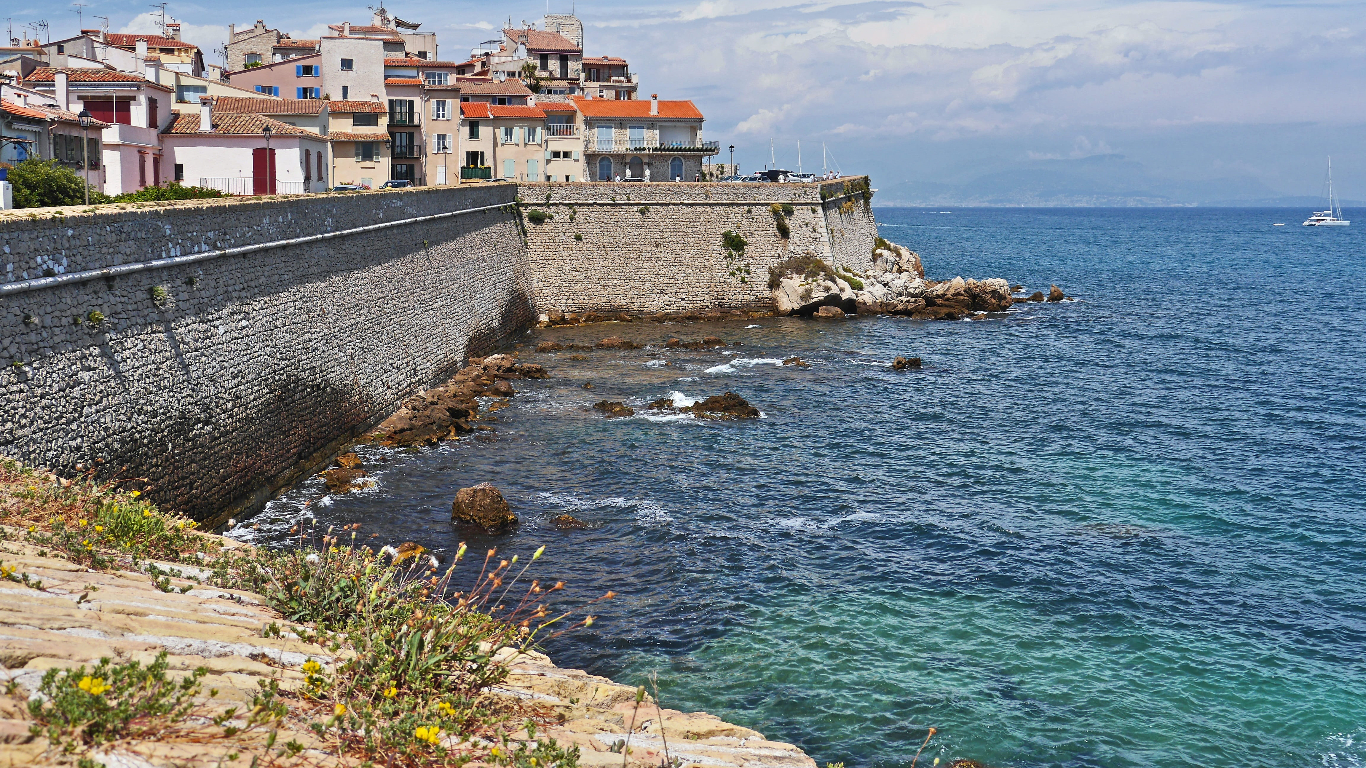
209,37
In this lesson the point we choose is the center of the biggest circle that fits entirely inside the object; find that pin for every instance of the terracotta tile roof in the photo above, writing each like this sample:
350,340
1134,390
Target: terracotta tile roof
288,43
412,62
153,41
668,110
238,105
475,110
515,111
21,111
352,136
352,107
557,106
402,81
62,115
361,28
537,40
603,60
48,74
491,88
234,125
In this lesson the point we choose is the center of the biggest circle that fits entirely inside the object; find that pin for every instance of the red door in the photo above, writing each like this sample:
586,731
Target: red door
262,171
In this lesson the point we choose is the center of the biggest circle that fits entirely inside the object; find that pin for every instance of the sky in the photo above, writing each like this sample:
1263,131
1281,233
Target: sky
1171,102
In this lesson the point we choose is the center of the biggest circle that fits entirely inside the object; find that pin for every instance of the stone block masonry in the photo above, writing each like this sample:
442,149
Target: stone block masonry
221,348
657,247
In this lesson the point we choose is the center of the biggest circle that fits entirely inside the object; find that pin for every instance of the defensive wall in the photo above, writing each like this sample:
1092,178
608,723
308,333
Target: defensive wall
658,247
220,349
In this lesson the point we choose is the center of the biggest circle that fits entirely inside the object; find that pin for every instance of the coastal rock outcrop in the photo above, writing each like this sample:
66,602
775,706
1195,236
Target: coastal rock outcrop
568,522
614,409
448,411
905,363
343,480
727,407
1055,294
483,506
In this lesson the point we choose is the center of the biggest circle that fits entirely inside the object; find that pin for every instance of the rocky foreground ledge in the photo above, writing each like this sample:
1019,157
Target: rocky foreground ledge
254,689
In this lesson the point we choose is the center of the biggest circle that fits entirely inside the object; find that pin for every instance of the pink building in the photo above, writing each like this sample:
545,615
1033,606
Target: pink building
298,78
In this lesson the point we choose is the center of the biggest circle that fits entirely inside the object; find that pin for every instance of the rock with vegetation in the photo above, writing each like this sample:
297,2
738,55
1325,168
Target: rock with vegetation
801,285
568,522
483,506
616,342
614,409
343,480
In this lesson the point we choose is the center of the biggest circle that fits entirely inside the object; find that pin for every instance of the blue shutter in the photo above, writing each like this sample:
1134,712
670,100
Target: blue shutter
258,89
298,70
298,93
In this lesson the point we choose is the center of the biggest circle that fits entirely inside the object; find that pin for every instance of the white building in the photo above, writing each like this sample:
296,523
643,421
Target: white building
232,153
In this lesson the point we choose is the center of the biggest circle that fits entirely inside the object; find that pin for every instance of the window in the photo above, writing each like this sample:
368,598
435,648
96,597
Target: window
365,151
604,138
401,112
676,168
441,109
533,135
347,65
636,135
308,93
474,130
509,169
422,54
533,170
403,145
441,143
604,169
179,171
61,48
437,78
501,101
402,172
346,92
464,99
142,169
253,58
93,147
564,65
545,67
321,177
474,159
191,93
592,75
507,134
365,118
269,90
305,70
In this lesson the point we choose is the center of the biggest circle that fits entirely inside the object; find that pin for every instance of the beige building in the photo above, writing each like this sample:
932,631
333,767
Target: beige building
563,142
258,44
635,139
357,132
502,142
353,67
508,93
608,77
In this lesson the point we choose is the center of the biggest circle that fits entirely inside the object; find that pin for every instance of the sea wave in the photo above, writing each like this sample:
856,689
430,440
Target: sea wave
647,512
734,366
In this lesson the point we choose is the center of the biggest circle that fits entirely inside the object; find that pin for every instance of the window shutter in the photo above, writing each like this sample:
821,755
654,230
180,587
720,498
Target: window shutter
298,70
576,154
358,146
547,154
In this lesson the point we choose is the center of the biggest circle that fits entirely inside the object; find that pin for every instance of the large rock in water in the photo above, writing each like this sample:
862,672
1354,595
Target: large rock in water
727,407
484,506
800,295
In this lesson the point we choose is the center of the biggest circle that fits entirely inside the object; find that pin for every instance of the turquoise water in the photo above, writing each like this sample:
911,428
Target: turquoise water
1121,531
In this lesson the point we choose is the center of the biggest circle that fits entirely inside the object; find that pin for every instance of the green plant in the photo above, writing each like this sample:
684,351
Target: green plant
95,317
780,221
110,701
735,243
531,77
170,191
158,293
47,183
578,237
787,209
573,213
850,278
537,216
805,265
881,245
642,210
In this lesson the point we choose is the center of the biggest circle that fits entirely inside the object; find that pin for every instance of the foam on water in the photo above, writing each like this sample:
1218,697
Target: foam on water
735,366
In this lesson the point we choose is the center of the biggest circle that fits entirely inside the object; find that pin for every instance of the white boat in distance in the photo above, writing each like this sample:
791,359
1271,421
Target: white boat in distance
1333,216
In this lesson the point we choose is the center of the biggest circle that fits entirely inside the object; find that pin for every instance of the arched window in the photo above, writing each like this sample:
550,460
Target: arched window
635,169
676,168
604,169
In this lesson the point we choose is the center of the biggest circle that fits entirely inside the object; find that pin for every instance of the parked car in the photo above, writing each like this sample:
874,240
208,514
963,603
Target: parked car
396,184
347,188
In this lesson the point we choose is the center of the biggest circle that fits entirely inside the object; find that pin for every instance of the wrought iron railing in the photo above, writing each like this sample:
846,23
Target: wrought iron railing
246,185
558,129
476,172
639,147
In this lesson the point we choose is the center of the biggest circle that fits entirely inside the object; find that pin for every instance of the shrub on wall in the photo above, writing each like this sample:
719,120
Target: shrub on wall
780,220
171,191
45,183
538,216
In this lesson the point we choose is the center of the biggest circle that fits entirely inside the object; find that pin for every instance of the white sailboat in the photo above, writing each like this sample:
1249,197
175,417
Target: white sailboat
1333,216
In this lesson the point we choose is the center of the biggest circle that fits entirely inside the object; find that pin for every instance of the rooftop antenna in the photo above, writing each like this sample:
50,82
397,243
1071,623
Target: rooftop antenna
80,15
40,26
104,23
162,6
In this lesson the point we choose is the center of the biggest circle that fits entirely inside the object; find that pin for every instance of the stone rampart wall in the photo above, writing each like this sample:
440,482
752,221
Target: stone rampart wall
658,247
221,379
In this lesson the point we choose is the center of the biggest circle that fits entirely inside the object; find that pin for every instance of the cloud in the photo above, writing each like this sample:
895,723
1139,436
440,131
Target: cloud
209,37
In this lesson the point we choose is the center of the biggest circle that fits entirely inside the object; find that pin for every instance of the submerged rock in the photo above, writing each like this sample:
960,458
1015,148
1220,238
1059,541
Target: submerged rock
797,361
616,342
1035,296
483,506
446,411
727,407
348,461
549,346
614,408
345,480
567,522
905,363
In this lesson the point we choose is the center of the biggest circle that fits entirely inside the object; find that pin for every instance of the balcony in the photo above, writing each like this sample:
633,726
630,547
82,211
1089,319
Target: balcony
402,118
476,172
555,130
405,152
649,147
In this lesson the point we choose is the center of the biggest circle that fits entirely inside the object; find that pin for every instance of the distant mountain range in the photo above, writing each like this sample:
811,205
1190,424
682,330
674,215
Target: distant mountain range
1097,181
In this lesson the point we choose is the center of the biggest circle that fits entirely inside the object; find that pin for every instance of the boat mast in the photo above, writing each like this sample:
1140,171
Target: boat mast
799,156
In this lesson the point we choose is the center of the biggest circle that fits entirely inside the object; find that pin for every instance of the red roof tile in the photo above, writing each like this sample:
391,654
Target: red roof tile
263,106
485,87
288,43
515,111
475,110
402,81
351,107
48,75
604,60
21,111
352,136
537,40
557,106
233,125
415,62
153,41
668,110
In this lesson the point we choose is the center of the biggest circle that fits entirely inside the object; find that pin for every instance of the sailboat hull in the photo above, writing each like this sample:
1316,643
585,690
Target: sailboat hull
1334,223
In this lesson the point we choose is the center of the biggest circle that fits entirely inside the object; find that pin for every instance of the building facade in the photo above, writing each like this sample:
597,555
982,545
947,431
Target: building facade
233,153
358,134
643,140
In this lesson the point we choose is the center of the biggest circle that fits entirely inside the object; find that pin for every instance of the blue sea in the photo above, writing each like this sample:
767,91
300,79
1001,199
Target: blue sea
1125,530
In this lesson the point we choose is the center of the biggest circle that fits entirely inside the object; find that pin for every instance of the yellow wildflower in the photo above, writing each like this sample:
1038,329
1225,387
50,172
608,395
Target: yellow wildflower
83,523
390,692
5,571
93,685
496,752
32,528
339,710
99,529
445,709
431,734
312,667
135,494
146,513
86,544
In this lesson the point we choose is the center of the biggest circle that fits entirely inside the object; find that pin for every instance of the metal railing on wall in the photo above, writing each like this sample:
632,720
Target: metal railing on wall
246,185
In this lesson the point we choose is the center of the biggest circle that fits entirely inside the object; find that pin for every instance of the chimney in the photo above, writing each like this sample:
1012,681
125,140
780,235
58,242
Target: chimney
346,29
173,30
141,49
152,66
63,90
205,114
654,103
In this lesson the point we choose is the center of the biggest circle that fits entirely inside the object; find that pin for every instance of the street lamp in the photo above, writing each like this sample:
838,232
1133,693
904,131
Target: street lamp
84,119
270,169
733,172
